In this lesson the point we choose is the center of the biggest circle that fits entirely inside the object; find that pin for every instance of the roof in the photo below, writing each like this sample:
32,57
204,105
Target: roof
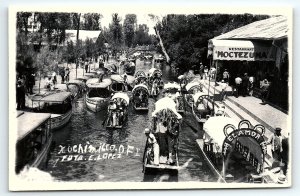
172,85
83,35
122,96
192,84
56,97
268,29
214,127
94,83
140,86
166,103
29,121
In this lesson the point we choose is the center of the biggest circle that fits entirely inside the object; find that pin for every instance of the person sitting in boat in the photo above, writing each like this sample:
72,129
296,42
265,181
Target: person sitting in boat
153,148
111,109
137,100
154,90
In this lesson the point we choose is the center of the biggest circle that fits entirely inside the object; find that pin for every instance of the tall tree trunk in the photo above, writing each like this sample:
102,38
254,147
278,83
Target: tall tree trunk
77,45
162,45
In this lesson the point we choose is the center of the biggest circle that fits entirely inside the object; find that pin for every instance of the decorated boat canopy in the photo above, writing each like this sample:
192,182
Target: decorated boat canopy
56,97
214,127
120,78
153,71
139,74
140,87
123,96
198,95
94,83
166,103
170,85
192,85
28,122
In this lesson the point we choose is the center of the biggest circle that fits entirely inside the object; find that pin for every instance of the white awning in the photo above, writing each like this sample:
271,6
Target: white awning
166,103
140,86
170,85
192,84
122,96
240,50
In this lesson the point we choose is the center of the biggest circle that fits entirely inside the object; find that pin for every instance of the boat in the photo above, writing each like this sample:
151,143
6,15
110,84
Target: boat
235,151
190,90
140,96
158,61
98,94
76,88
117,111
34,139
118,84
140,78
60,107
129,67
155,81
173,90
156,153
203,107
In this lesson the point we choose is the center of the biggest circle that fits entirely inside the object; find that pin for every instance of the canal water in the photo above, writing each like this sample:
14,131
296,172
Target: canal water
120,157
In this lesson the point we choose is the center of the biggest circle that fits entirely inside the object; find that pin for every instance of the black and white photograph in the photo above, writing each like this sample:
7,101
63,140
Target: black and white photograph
158,98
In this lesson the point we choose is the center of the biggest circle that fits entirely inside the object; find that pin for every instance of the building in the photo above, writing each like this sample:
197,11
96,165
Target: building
259,49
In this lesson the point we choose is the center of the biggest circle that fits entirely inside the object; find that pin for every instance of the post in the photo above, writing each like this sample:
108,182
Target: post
209,77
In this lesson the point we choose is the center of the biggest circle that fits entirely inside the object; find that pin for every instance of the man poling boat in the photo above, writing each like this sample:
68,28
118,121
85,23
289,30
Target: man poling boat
98,94
140,95
117,111
161,150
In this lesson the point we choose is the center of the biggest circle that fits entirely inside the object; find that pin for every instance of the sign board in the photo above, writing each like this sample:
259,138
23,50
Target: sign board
240,50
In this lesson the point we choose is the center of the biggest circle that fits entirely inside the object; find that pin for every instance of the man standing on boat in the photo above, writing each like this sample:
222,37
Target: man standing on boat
152,148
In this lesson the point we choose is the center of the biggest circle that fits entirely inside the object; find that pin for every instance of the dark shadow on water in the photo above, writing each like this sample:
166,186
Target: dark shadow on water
158,175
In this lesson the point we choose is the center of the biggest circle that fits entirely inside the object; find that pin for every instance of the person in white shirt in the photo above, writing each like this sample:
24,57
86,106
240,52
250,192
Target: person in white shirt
238,82
223,86
276,141
152,148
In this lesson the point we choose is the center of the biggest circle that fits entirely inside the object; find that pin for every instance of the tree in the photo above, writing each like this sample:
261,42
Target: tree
185,37
129,27
116,33
91,21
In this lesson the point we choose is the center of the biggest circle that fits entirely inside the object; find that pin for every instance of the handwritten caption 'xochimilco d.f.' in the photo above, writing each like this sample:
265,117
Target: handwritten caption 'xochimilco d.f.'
89,152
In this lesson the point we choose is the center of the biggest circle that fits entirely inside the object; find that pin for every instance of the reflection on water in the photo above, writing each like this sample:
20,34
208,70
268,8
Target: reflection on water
122,158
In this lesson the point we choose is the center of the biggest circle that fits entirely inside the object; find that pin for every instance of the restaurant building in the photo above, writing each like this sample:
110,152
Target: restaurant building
259,49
